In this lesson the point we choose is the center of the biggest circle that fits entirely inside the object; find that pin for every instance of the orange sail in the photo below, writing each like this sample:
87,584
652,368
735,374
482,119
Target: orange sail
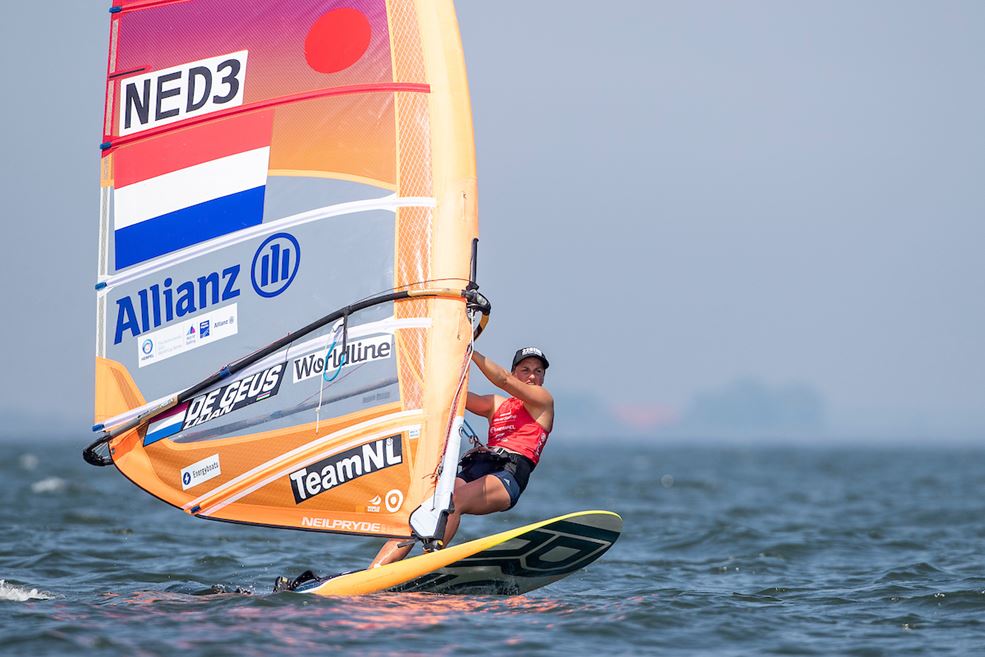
286,296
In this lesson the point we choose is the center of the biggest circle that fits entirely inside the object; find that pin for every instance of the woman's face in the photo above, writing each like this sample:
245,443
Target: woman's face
530,370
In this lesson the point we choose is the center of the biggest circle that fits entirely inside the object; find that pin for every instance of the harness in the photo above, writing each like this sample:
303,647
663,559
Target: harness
496,454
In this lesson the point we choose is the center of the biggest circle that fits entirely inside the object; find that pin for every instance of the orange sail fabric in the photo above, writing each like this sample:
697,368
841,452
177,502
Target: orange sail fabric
301,169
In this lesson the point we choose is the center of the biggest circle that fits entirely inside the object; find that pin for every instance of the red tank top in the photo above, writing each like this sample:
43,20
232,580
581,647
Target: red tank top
513,428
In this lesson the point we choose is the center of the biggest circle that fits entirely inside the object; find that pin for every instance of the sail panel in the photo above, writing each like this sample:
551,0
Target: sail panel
349,137
279,37
265,167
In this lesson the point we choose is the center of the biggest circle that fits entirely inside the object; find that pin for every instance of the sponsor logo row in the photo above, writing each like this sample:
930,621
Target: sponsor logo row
325,475
185,336
256,387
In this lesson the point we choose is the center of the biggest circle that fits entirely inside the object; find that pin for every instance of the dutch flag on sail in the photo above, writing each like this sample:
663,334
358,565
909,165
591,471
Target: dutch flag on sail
166,424
189,185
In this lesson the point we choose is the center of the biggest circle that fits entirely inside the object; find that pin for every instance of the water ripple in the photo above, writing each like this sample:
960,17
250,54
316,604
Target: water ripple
727,552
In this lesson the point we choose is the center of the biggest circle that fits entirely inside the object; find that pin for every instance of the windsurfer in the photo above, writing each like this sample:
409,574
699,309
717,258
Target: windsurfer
491,478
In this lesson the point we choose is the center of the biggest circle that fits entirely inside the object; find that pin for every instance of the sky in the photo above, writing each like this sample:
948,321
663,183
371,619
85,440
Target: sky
680,202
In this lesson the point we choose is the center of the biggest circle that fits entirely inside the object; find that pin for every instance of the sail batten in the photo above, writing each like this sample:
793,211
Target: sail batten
259,169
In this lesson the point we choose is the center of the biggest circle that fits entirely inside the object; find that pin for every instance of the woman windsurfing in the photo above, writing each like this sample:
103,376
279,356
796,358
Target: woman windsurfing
491,478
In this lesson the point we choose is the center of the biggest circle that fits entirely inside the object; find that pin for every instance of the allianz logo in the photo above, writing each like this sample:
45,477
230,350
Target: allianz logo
274,266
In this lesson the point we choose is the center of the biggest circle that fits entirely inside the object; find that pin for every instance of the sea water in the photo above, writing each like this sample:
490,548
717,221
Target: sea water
726,551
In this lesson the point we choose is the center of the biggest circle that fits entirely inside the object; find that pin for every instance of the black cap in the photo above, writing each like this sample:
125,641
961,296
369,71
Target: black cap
529,352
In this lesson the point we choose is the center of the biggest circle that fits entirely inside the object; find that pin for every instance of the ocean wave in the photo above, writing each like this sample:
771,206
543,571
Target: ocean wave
14,593
49,485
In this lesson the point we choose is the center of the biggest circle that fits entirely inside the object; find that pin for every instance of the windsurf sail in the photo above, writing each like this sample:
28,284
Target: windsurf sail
286,299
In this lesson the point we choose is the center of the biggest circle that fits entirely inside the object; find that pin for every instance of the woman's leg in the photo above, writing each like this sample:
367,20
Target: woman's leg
484,495
390,552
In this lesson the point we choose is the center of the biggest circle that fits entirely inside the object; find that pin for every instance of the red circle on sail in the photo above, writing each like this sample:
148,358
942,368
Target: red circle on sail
337,40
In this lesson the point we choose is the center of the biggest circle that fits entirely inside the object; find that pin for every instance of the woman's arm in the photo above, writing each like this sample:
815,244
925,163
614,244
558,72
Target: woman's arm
484,405
536,396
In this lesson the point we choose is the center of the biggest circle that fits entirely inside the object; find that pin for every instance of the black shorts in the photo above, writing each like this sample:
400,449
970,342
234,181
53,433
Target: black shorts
512,469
